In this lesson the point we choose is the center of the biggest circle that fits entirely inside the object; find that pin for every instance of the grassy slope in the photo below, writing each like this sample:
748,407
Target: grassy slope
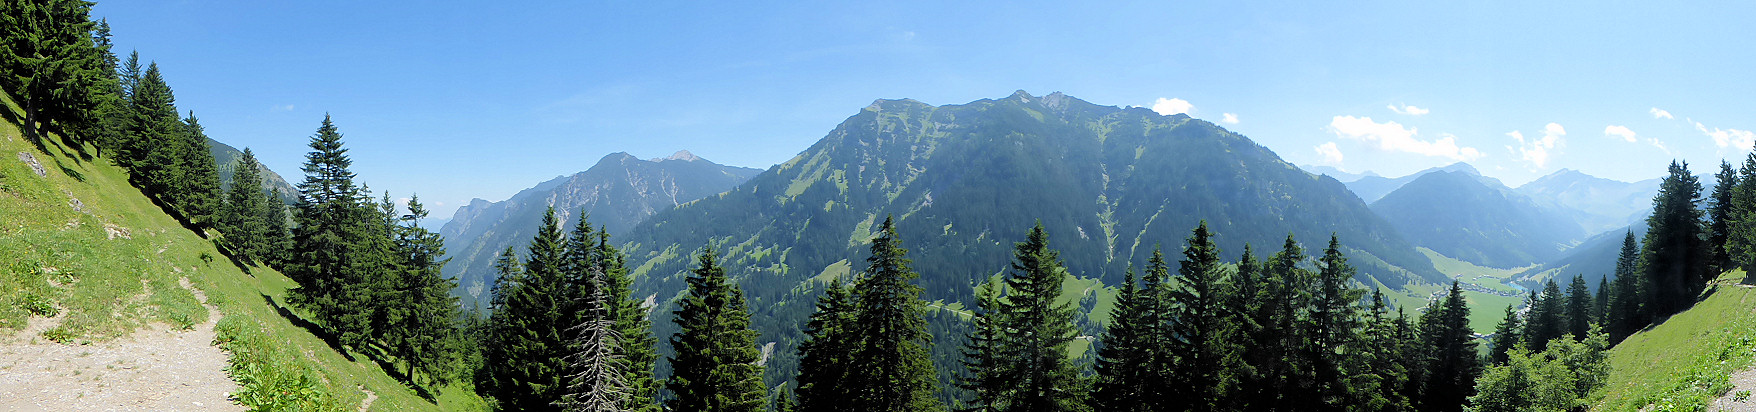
50,254
1683,363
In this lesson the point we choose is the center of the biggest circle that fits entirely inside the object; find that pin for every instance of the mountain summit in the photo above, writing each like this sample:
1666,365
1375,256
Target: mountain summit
617,192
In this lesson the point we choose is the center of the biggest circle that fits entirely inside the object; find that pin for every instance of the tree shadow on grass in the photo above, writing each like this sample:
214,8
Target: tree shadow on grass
331,340
389,366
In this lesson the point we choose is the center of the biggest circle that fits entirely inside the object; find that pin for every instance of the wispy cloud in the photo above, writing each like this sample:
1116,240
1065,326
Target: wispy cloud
1742,139
1229,118
1171,106
1620,131
1409,110
1393,136
1658,113
1536,150
1330,153
281,108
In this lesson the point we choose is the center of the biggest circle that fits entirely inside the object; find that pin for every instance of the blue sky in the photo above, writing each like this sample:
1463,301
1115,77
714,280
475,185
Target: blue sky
454,101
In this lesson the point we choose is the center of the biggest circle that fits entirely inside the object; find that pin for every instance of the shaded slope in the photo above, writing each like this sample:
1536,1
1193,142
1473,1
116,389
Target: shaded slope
617,192
1460,215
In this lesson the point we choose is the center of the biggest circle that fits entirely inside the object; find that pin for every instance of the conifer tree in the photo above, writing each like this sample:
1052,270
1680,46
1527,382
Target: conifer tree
1548,317
338,245
1200,335
891,370
246,232
1453,363
156,132
1719,215
1039,329
714,369
631,324
278,242
1506,336
1334,322
1740,245
826,355
1600,304
1626,305
1578,308
198,192
1283,375
598,381
423,333
1674,255
527,368
1125,378
48,62
1386,356
989,376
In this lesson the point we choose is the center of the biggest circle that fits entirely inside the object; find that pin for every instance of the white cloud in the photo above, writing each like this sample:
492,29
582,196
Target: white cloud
1229,118
281,108
1409,110
1658,113
1620,131
1659,145
1536,150
1743,139
1393,136
1171,106
1331,154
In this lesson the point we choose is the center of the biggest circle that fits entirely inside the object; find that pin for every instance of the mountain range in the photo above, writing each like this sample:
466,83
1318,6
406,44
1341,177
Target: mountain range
225,158
1468,217
617,192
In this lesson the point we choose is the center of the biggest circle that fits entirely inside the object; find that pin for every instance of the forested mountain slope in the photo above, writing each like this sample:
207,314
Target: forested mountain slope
1460,215
965,182
225,157
617,192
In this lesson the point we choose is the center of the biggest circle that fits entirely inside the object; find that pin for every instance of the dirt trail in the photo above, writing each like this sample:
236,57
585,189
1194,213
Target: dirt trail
155,369
1742,381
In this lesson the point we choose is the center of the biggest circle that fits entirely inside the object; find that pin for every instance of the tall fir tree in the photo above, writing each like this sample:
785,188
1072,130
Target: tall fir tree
1579,306
335,253
826,356
1627,303
1386,354
198,192
527,366
1507,336
1674,256
891,370
245,231
1124,375
598,380
423,332
988,374
1548,317
1200,335
1282,378
1720,206
631,324
1334,320
1453,363
49,63
715,366
1038,329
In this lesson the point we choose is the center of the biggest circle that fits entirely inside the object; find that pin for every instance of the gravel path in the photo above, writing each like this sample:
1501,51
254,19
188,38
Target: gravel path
155,369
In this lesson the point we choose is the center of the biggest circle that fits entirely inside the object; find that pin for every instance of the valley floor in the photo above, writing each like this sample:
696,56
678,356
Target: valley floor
156,368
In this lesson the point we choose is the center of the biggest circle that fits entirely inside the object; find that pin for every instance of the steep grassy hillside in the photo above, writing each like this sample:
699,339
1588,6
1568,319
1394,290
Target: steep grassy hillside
80,242
1685,361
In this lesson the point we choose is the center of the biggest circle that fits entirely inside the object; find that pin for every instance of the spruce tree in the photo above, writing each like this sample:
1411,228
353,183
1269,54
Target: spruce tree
1200,335
424,331
1386,354
598,378
198,192
891,370
1548,317
49,64
1283,370
1740,245
1628,300
338,245
528,367
157,132
1578,308
1674,255
714,368
988,374
1600,304
631,324
1334,321
1124,378
1039,329
1506,336
1453,363
1719,215
825,358
246,232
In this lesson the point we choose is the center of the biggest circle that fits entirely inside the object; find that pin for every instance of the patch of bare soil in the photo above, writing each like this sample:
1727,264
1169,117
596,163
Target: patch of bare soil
155,369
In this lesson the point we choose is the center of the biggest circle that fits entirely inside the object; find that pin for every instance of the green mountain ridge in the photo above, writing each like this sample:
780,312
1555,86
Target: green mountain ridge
1459,214
617,192
225,158
966,181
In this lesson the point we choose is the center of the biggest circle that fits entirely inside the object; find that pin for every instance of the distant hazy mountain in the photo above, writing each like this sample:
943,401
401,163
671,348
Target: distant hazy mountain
618,192
1374,187
1465,216
1595,258
1338,174
1602,204
225,156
